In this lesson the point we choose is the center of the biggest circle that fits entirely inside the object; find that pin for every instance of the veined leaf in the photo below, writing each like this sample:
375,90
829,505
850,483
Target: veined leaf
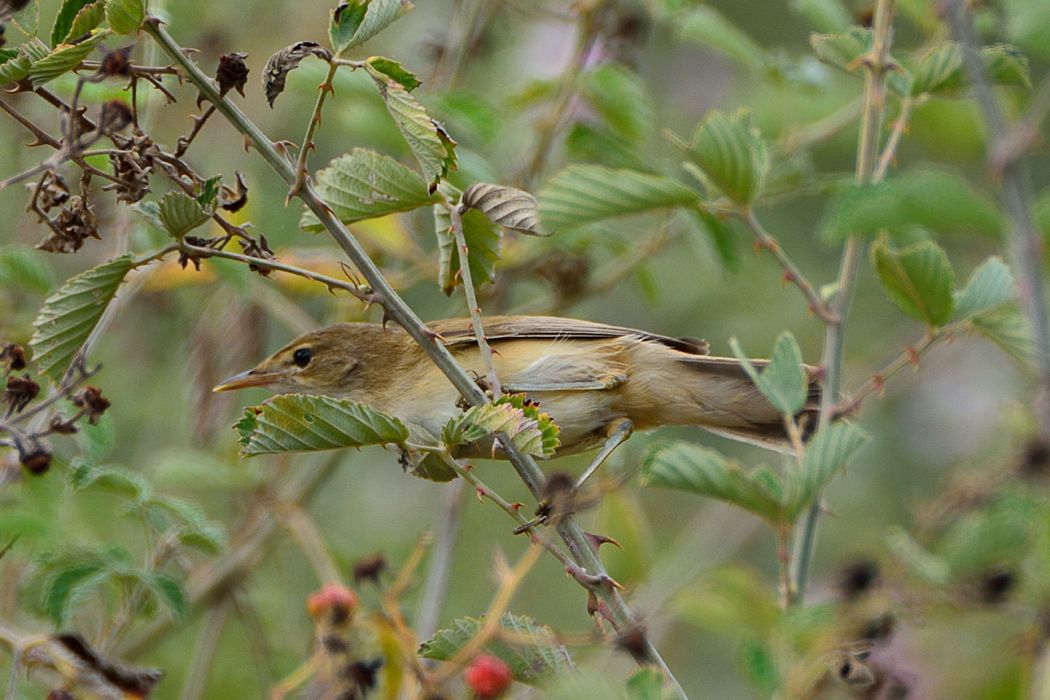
530,650
708,27
64,58
86,19
16,67
1010,330
483,238
647,684
531,431
586,194
363,184
67,12
688,467
826,454
181,213
125,16
300,423
70,314
783,381
22,268
919,279
507,206
990,286
731,154
842,50
395,71
621,98
357,21
169,591
940,70
280,64
64,584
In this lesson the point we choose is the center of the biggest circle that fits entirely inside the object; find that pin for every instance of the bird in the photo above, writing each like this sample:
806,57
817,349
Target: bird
598,382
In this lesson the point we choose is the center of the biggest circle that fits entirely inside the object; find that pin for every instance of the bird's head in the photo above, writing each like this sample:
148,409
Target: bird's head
326,361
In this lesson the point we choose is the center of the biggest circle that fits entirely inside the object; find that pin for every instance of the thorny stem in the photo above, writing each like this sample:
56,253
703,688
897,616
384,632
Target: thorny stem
792,273
456,219
435,588
877,64
398,311
311,128
1015,194
889,151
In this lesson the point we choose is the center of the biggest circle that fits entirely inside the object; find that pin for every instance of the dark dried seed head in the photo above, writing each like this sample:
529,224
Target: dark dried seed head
20,391
116,62
14,356
232,72
369,568
37,460
857,578
996,584
92,401
115,115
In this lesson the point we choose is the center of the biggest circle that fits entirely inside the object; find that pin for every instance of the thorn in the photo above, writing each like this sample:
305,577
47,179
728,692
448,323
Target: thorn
913,356
597,541
879,382
480,493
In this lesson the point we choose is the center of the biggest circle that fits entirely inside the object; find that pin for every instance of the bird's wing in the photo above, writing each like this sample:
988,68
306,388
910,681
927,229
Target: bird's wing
459,331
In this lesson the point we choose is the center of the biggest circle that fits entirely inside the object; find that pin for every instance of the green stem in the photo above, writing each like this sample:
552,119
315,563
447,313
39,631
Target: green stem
398,311
456,219
315,121
877,64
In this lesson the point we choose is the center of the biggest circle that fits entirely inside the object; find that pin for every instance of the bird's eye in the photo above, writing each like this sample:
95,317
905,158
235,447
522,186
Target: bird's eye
302,356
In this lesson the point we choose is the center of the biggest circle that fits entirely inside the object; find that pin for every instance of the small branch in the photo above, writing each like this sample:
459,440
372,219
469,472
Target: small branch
1016,141
877,65
820,131
889,152
446,530
784,565
311,542
204,651
183,144
456,218
315,121
41,135
792,273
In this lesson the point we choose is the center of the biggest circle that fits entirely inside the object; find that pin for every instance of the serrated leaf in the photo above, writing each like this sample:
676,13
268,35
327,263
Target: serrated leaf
24,269
170,592
783,380
209,193
531,431
63,586
64,58
991,285
69,315
89,17
842,50
940,71
1010,330
484,244
531,650
125,16
507,206
16,68
621,98
587,194
724,240
357,21
688,467
280,64
731,154
708,27
826,454
919,279
300,423
67,12
363,184
109,478
432,148
193,527
395,71
181,213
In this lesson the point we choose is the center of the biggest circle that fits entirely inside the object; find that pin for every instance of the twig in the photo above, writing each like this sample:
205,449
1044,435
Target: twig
889,152
1015,192
198,123
446,532
792,273
821,130
456,219
204,651
877,64
41,135
398,311
311,542
324,88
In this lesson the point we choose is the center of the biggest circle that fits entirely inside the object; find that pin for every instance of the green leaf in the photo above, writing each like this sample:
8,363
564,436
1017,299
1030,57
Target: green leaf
940,69
24,269
507,206
647,684
357,21
921,562
1010,330
484,242
16,68
70,314
825,15
842,50
688,467
395,71
530,650
64,584
587,194
113,479
621,98
431,146
826,454
64,58
783,380
919,279
125,16
724,240
363,184
991,285
706,26
531,431
181,213
731,154
731,600
67,12
300,423
170,592
89,17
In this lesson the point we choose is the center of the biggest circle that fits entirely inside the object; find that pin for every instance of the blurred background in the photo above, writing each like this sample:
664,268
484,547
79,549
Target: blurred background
700,572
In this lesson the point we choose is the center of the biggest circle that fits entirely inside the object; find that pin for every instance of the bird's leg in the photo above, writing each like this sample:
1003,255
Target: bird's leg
617,433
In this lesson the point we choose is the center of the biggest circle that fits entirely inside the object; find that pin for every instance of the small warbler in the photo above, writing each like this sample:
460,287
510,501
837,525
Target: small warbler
598,382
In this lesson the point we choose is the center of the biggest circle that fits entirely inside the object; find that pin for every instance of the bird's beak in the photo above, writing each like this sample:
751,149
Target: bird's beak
244,380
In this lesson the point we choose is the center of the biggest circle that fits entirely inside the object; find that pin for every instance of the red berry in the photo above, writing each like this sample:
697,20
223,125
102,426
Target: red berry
334,599
488,677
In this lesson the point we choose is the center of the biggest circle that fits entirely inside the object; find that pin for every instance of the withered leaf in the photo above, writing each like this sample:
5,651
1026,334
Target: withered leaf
285,61
234,199
232,72
507,206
